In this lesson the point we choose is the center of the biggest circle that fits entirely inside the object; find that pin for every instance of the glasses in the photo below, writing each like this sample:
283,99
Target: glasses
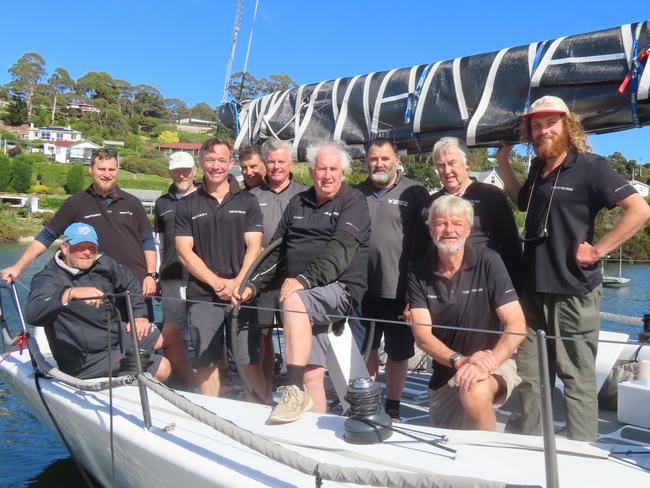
543,232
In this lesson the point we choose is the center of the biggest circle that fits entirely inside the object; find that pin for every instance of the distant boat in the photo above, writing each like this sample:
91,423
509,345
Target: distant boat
615,281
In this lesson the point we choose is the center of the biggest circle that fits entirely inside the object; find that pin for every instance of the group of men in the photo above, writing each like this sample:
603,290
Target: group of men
446,271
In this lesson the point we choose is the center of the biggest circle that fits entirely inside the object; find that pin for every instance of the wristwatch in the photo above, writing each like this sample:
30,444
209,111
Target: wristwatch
454,358
154,275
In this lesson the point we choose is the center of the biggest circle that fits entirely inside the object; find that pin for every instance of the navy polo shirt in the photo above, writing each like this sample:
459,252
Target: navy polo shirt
469,299
586,183
164,224
307,227
398,233
119,225
494,225
218,231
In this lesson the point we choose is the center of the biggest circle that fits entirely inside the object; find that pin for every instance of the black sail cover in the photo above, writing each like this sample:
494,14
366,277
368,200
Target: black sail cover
477,98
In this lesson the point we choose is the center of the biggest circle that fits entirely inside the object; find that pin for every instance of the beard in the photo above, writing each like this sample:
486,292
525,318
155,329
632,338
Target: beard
553,147
183,186
449,248
383,177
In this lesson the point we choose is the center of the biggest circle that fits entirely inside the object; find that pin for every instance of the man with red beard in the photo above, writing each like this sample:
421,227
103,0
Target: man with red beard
566,188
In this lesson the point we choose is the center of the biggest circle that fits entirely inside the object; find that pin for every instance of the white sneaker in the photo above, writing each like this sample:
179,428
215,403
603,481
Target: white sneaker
292,405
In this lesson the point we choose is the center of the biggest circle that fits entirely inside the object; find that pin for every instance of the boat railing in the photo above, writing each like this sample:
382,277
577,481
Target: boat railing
144,381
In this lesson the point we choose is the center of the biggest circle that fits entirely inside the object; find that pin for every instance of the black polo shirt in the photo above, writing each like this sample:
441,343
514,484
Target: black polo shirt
494,225
119,225
398,233
218,232
469,299
586,183
273,204
307,227
164,224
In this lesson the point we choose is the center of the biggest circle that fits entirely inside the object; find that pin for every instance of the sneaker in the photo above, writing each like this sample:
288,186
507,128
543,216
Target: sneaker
292,405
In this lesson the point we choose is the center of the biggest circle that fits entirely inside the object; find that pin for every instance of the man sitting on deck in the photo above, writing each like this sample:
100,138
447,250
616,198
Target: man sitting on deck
75,328
456,285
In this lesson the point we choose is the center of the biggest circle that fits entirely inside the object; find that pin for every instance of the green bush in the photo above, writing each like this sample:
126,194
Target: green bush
42,190
52,203
5,172
51,174
74,182
21,174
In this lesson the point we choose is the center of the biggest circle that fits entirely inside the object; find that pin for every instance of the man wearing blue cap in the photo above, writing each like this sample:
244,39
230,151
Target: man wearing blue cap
67,298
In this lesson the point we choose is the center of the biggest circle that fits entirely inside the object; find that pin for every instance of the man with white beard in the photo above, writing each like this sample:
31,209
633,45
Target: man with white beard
566,187
455,285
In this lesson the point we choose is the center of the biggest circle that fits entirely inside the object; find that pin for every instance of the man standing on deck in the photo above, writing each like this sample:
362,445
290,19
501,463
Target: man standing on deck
118,217
494,224
273,195
218,236
252,166
398,233
459,285
173,276
565,189
325,232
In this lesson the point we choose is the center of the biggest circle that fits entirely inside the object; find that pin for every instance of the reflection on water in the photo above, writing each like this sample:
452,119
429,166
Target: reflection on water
30,456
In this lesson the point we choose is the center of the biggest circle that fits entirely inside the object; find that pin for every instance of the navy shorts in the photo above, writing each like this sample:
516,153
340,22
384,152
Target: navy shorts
207,321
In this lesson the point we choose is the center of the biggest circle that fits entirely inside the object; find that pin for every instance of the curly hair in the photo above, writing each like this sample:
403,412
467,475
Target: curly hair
572,124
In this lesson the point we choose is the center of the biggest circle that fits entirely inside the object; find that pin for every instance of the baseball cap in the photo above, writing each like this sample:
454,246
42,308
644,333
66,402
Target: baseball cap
548,104
181,159
79,232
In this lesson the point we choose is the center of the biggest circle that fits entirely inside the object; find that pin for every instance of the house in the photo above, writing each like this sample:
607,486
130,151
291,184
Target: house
489,176
108,144
172,147
642,188
57,150
52,134
82,151
82,107
196,126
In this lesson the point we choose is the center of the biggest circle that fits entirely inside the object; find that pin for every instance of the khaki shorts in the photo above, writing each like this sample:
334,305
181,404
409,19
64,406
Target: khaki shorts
445,409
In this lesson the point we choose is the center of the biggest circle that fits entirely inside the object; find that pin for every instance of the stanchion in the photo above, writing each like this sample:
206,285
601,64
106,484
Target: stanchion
550,453
144,399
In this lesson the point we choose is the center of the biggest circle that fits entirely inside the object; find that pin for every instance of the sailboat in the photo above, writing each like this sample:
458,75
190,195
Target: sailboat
615,281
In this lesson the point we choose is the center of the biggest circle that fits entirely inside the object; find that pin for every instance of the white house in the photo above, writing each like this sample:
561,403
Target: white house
82,151
58,150
642,188
52,134
489,176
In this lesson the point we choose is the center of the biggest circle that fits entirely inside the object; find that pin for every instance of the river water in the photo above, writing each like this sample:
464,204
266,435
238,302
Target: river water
30,456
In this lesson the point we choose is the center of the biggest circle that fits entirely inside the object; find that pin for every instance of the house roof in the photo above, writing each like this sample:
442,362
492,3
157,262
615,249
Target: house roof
181,145
64,143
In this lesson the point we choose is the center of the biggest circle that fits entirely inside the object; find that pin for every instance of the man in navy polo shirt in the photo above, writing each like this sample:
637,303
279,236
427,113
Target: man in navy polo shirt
325,232
218,236
494,225
566,188
252,166
459,285
173,276
398,233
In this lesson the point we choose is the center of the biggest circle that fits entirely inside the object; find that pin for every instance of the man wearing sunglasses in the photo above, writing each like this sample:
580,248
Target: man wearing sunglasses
566,187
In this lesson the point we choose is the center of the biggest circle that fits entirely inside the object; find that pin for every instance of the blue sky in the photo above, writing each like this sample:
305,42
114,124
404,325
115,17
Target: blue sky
182,47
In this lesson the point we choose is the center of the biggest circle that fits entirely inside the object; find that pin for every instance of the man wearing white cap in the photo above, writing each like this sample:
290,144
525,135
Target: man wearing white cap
173,276
566,187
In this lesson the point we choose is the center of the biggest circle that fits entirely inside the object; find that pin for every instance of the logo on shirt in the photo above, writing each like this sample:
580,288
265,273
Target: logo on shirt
433,297
241,212
90,216
472,290
352,225
126,212
198,216
395,201
166,212
564,188
329,214
263,204
297,217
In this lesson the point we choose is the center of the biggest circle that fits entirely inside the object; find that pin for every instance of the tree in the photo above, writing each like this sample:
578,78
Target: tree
203,111
94,85
148,101
5,172
74,181
26,73
177,108
276,83
16,111
167,137
418,167
21,174
246,86
60,83
126,97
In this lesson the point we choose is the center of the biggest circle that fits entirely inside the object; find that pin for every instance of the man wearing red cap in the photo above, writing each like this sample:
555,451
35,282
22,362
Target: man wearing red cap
566,187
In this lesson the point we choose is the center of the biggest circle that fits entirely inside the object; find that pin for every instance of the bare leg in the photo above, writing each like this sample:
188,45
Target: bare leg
373,363
297,331
257,380
315,386
208,379
478,405
174,350
395,374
